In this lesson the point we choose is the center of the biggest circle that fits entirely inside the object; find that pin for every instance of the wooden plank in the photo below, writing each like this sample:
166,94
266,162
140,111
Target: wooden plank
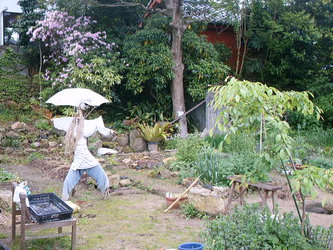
61,223
266,186
37,237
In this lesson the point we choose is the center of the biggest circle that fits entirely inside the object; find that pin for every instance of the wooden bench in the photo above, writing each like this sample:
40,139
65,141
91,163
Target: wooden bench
264,189
27,224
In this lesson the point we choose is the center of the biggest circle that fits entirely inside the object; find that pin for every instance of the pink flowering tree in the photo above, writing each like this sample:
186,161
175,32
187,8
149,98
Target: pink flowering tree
74,52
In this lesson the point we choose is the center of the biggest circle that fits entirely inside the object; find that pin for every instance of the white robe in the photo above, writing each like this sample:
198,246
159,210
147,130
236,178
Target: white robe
83,159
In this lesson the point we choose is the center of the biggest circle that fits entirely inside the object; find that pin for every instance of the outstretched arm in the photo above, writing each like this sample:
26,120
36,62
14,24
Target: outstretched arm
62,123
102,129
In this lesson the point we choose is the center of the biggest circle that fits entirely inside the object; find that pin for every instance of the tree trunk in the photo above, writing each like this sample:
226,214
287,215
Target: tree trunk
177,86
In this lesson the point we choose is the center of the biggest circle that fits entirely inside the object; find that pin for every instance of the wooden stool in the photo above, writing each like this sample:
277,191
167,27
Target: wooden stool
264,189
27,224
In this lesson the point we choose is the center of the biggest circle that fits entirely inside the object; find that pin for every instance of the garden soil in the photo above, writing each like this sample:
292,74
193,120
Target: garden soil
134,218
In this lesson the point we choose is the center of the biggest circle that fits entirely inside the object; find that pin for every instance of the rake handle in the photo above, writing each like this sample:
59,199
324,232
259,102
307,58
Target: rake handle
188,189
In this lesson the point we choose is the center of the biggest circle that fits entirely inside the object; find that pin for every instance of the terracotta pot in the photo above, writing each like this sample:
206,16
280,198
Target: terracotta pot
170,200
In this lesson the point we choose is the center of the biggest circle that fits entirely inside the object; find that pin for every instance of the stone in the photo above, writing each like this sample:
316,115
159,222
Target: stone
53,144
127,149
165,173
206,201
153,153
44,143
126,160
122,140
153,164
169,160
138,144
109,144
5,199
19,126
107,138
187,181
58,131
328,203
106,151
101,160
30,150
36,144
114,180
125,182
12,134
135,134
222,191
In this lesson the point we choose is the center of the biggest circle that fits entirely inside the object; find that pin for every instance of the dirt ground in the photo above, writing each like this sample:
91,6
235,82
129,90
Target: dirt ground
135,219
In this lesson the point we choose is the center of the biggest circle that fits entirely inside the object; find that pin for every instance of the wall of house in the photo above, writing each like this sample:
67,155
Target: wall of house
7,6
223,34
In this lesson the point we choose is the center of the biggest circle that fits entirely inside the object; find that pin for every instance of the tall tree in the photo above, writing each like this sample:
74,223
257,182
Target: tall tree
179,23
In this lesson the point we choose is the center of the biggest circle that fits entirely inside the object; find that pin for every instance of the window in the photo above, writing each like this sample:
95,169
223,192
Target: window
10,35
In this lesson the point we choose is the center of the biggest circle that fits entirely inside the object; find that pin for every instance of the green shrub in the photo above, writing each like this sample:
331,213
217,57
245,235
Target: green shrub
253,228
121,128
215,140
297,120
188,149
319,137
214,167
14,85
172,143
321,161
244,142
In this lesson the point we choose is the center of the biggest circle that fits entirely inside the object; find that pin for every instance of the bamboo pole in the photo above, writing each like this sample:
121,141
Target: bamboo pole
185,192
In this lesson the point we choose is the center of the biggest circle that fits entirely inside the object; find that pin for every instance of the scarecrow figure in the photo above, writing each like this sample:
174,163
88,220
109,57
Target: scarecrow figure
77,131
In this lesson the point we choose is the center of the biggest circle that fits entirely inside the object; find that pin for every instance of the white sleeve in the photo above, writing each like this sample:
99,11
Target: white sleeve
62,123
101,128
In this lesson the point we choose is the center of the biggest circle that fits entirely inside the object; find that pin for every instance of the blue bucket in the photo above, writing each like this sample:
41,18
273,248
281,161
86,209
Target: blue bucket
191,245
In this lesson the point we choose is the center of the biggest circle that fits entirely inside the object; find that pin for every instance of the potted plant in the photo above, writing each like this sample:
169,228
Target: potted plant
154,134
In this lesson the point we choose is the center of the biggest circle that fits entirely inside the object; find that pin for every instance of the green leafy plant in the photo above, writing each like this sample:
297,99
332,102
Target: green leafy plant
253,106
322,162
251,227
190,211
155,133
188,148
304,182
35,155
6,176
10,142
43,124
214,168
14,86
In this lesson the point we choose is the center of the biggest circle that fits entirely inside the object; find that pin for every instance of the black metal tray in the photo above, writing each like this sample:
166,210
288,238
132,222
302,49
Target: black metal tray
48,207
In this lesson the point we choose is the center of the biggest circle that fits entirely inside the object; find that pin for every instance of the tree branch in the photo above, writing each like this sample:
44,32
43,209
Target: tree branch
122,4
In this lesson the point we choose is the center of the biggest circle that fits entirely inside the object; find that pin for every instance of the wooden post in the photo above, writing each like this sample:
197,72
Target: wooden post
231,192
73,236
23,219
14,184
273,202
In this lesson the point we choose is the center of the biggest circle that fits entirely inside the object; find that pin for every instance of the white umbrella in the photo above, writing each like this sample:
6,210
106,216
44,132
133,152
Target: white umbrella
76,96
